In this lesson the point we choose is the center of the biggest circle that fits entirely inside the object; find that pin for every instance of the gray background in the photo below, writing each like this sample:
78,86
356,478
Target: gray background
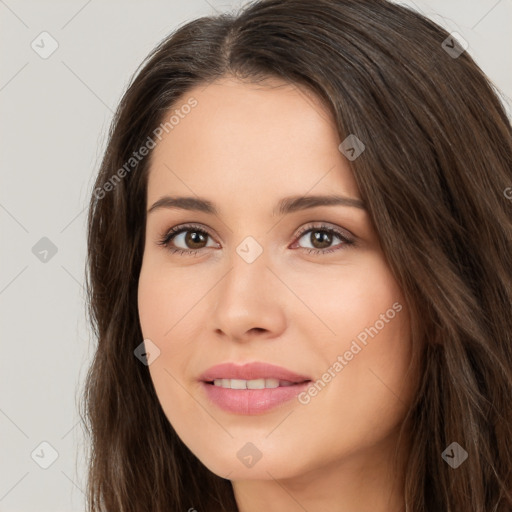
55,113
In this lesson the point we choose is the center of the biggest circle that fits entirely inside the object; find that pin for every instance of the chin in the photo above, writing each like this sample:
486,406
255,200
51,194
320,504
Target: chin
244,464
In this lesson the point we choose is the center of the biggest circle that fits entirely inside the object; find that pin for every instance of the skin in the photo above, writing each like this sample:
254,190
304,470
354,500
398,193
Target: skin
244,147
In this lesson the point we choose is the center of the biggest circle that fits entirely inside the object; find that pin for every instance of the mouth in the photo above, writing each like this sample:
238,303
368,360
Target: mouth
253,388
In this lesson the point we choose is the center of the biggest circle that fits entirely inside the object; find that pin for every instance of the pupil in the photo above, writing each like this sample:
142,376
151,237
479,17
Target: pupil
319,235
193,237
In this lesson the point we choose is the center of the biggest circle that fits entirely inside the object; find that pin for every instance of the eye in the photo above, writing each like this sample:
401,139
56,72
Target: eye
191,235
193,238
321,237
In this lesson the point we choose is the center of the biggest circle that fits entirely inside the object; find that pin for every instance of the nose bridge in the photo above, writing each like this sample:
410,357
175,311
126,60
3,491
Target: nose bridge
249,262
246,297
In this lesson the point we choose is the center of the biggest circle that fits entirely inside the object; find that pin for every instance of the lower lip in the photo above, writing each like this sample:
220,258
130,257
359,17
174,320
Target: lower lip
251,401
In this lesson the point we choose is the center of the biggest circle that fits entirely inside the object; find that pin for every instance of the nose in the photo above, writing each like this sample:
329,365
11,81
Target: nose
250,301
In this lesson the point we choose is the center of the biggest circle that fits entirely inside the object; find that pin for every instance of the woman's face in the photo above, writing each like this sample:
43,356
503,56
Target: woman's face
271,286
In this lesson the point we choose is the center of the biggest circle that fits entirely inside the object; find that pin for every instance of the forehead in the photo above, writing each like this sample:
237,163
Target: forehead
249,140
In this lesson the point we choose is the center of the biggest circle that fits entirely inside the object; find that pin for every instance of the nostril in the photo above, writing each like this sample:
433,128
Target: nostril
258,329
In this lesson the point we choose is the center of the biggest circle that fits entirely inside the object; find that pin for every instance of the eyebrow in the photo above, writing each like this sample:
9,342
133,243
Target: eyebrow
285,205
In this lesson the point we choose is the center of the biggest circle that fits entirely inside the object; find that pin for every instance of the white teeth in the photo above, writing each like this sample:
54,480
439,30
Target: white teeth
271,383
251,384
238,384
255,384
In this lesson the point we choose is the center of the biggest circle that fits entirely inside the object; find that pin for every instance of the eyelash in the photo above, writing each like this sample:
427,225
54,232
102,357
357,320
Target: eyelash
169,235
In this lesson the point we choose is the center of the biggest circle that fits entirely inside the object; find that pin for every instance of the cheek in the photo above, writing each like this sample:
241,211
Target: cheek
373,328
163,317
343,301
157,316
152,305
368,351
165,297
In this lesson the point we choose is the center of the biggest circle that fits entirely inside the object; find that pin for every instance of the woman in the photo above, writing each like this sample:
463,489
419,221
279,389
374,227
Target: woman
299,271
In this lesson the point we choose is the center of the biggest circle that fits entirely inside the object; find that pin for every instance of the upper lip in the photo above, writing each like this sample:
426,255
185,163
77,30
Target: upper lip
251,371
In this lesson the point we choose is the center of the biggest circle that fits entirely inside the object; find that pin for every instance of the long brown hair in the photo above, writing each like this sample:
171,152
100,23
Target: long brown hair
436,176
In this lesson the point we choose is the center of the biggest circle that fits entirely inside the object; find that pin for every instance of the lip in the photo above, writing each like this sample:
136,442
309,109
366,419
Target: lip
251,401
250,371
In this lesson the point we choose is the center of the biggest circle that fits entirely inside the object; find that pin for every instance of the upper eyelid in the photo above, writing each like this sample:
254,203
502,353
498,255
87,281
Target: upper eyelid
325,226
